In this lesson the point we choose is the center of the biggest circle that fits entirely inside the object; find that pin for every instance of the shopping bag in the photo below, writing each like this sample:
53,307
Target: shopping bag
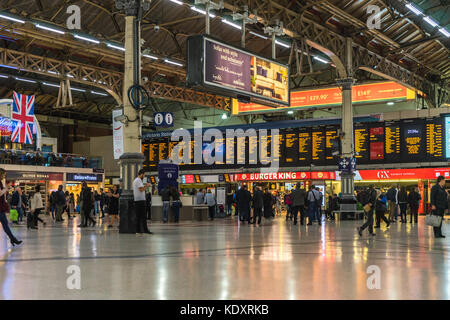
367,208
78,208
433,220
13,215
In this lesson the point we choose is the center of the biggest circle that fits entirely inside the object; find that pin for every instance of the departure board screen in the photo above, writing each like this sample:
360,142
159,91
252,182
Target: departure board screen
332,143
163,150
240,150
318,145
304,146
219,150
265,145
252,150
153,153
230,150
279,150
413,146
435,139
361,132
377,141
447,136
290,154
392,141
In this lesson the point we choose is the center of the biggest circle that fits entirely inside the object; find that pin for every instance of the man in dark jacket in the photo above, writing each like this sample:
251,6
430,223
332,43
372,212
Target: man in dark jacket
439,203
298,197
60,203
18,204
258,203
243,201
414,201
369,223
392,198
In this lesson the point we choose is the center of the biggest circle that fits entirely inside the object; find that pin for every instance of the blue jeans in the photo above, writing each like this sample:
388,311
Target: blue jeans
53,211
20,212
166,207
313,213
229,208
176,210
5,225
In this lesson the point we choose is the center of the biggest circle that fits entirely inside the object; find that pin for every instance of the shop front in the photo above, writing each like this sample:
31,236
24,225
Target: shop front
95,181
422,178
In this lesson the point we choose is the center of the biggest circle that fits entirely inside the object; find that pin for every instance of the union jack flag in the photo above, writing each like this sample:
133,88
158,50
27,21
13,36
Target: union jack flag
23,118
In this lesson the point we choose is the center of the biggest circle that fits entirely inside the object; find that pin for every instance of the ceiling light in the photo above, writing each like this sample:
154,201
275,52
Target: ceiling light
321,60
24,80
76,89
444,32
234,25
290,112
390,103
258,35
52,72
99,93
414,9
3,76
224,116
177,2
51,85
9,67
430,21
115,47
70,76
11,18
282,44
173,62
212,15
150,56
49,29
87,39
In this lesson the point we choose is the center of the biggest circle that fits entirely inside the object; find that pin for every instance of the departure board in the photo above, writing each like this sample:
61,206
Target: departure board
230,151
361,132
332,143
413,146
304,146
290,153
163,150
377,141
219,152
435,139
153,153
240,150
278,150
392,141
252,150
172,156
318,145
145,151
265,145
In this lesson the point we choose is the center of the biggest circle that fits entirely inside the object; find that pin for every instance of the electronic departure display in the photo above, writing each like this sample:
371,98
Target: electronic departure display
237,73
376,142
361,142
376,139
413,146
290,155
434,139
392,142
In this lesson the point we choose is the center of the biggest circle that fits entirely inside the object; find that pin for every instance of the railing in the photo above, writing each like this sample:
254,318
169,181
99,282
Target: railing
47,159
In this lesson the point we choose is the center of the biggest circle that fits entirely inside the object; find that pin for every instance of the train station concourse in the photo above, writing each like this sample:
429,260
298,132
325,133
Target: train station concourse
224,156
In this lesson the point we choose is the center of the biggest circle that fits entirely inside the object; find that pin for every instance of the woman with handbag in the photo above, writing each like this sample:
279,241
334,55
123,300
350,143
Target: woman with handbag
113,206
439,203
35,208
4,189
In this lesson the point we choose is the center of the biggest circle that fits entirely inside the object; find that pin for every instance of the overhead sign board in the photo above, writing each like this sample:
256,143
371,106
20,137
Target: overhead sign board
236,73
275,176
366,93
401,174
163,119
117,134
447,136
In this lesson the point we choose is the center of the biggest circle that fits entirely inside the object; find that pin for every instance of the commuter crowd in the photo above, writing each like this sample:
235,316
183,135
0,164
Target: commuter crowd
38,158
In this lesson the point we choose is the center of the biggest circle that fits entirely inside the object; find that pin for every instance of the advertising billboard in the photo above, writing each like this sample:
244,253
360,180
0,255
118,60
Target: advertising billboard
236,73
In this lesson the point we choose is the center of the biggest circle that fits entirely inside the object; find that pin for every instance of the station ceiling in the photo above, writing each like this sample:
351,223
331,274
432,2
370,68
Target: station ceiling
404,39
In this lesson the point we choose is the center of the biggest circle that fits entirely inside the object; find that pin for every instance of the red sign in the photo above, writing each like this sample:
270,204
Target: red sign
189,178
404,174
285,176
372,92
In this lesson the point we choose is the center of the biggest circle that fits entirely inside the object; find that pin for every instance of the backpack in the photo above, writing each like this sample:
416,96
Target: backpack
364,197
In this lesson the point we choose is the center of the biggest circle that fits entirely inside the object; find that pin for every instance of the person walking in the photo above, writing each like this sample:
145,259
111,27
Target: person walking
403,203
243,202
211,203
380,210
67,206
439,203
298,203
4,189
288,203
369,199
148,205
278,204
258,203
313,202
176,204
392,197
139,203
72,204
60,203
96,203
268,204
103,197
36,207
165,197
87,205
113,206
229,203
200,197
52,201
414,203
17,204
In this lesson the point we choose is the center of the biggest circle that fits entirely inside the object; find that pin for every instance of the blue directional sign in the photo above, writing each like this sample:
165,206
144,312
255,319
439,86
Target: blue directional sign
347,164
163,119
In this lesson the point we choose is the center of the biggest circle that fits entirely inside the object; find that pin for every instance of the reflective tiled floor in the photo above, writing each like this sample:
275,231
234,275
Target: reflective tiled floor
226,260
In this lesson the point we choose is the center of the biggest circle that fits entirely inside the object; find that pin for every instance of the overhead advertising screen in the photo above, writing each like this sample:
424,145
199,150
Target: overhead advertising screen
236,73
447,136
435,139
413,145
329,97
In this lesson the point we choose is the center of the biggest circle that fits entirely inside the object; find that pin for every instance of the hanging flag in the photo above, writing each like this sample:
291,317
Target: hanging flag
23,118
